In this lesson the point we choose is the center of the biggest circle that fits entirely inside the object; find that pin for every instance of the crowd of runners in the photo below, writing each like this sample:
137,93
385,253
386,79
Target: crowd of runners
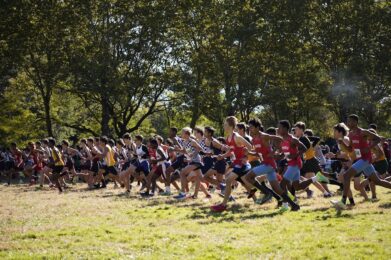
278,162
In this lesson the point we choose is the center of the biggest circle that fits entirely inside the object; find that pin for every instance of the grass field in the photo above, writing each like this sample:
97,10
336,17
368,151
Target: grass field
104,224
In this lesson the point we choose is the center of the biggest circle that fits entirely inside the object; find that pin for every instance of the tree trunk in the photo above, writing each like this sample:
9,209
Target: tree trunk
48,119
194,118
196,100
105,129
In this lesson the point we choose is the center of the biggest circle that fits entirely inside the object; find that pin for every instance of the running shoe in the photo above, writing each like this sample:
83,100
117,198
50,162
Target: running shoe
284,208
338,205
218,208
180,196
264,199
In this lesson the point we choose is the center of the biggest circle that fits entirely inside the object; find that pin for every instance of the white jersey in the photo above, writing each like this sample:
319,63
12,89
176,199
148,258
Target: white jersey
142,153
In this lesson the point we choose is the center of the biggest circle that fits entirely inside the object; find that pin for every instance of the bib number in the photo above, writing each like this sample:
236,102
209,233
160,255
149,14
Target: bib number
357,152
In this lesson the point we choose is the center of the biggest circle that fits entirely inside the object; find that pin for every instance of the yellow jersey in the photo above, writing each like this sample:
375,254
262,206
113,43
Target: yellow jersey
109,158
57,157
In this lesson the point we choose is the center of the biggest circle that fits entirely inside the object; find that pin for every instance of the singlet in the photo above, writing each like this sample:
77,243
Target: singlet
378,154
265,151
17,157
142,153
192,154
211,149
180,142
238,151
319,155
84,151
93,153
287,149
310,153
109,158
37,161
360,144
350,154
159,157
55,152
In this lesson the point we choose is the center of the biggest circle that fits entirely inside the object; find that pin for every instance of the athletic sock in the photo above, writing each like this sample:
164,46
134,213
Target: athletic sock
286,198
168,189
275,195
292,191
261,187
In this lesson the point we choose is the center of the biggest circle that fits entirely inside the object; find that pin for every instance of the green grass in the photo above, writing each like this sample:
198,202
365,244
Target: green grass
102,224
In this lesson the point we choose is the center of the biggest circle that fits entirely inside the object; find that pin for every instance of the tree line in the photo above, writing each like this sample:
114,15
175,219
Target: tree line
79,68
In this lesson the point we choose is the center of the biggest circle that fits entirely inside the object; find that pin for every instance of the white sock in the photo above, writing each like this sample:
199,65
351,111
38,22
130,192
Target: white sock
314,179
168,189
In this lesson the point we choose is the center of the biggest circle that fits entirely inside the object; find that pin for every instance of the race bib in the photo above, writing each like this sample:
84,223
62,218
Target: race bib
287,155
357,152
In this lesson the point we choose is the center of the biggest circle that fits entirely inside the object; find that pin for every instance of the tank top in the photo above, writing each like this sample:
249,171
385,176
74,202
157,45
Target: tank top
203,145
192,154
310,153
211,149
378,155
159,157
287,149
140,153
109,158
93,153
360,145
36,159
265,151
180,142
238,151
350,154
60,161
152,153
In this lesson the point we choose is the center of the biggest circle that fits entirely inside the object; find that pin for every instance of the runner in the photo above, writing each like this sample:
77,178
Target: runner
361,141
178,164
293,149
56,163
18,164
215,174
191,149
157,158
238,146
265,156
379,163
262,145
311,164
142,160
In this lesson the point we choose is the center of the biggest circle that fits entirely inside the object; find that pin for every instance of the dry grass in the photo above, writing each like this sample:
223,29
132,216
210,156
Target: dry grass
105,224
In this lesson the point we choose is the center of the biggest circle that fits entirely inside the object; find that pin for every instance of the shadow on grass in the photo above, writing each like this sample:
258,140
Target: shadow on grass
234,213
385,205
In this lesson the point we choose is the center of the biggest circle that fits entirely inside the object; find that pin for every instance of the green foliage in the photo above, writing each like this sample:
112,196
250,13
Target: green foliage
115,66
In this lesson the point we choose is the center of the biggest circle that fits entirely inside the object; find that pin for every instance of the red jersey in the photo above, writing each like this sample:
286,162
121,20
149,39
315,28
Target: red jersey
17,158
238,151
265,150
288,150
152,153
37,161
360,145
